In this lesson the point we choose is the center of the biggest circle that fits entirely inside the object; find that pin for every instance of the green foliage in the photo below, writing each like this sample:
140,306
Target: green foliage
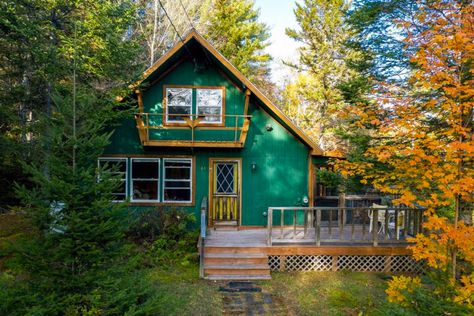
328,178
378,36
167,233
327,71
234,30
40,42
434,296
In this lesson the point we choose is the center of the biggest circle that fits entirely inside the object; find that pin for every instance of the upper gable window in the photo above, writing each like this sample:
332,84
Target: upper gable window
179,103
209,102
205,102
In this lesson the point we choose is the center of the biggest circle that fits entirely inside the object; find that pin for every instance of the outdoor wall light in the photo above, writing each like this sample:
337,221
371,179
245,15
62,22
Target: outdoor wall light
269,127
253,166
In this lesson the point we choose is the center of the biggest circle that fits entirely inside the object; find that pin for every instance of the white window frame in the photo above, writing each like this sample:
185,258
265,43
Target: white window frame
172,121
158,180
221,107
126,173
191,177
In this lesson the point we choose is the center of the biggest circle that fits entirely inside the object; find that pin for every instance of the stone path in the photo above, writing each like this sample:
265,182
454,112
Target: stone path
245,298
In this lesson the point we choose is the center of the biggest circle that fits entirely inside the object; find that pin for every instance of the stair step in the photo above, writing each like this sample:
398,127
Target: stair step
225,223
236,272
239,277
232,249
234,260
238,266
236,255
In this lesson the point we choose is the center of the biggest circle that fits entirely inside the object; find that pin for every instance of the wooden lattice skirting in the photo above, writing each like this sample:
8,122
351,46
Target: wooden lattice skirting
391,264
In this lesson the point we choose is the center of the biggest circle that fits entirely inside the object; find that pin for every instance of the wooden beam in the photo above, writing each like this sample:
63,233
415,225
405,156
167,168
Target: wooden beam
189,143
244,132
337,250
141,129
140,100
247,97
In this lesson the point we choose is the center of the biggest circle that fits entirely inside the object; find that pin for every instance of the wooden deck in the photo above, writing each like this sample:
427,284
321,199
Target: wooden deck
284,242
245,254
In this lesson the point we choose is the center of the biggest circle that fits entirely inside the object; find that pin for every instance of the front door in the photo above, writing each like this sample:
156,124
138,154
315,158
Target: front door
225,192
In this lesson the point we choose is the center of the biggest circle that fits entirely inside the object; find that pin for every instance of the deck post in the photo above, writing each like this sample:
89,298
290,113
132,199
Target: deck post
335,259
294,224
306,212
282,221
269,226
341,223
387,264
375,227
318,227
282,263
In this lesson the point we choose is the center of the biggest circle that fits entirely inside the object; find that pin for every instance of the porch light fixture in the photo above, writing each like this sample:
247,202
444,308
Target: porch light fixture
269,127
253,166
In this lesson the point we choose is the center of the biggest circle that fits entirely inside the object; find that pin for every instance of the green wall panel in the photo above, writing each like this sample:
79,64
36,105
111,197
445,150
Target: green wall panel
281,175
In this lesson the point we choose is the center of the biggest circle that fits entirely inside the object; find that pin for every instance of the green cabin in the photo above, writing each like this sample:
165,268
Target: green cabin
205,131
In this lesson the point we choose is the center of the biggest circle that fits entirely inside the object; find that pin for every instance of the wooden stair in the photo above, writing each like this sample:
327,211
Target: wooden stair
235,263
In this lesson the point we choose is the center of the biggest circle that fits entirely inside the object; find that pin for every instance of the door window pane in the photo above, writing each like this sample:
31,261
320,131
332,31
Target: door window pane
225,177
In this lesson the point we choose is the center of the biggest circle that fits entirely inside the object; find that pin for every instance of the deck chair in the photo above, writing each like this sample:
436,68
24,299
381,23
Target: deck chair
400,222
380,217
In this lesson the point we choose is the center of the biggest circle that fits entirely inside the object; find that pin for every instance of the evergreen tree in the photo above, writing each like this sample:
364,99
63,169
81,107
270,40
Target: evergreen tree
69,60
323,66
234,30
36,48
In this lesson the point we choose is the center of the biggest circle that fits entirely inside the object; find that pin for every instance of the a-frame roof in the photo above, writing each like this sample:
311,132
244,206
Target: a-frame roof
164,63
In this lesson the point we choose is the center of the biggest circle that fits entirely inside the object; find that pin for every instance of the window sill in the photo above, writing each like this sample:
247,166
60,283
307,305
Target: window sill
161,204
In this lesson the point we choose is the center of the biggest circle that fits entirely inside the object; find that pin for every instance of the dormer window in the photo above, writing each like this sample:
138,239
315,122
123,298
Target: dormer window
179,104
209,103
206,103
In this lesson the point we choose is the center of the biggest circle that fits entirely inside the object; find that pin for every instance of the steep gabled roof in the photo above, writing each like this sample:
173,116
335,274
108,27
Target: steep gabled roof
193,35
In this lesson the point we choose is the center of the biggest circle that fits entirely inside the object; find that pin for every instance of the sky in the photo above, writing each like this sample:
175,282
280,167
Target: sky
278,15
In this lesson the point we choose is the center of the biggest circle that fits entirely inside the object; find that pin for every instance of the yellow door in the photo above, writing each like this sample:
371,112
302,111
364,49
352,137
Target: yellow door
225,193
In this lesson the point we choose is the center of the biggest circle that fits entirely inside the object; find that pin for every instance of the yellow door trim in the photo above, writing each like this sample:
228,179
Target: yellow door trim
212,161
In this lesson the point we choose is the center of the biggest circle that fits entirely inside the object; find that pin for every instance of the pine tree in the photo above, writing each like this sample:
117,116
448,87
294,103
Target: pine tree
234,30
75,58
323,66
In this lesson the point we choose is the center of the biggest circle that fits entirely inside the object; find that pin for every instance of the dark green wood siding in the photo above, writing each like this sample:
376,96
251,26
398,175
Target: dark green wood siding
281,175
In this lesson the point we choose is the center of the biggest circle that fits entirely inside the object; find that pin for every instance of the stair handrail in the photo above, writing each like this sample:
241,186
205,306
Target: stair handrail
202,235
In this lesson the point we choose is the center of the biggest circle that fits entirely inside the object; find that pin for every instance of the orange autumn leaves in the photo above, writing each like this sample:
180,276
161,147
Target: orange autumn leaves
423,147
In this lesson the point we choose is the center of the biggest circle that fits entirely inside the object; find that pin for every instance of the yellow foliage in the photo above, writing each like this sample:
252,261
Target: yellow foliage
400,284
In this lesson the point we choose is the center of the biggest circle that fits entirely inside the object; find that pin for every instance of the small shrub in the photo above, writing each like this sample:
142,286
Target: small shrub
168,234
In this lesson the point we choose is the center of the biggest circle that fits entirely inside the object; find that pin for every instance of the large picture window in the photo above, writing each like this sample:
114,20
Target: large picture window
117,168
145,179
177,180
209,103
179,102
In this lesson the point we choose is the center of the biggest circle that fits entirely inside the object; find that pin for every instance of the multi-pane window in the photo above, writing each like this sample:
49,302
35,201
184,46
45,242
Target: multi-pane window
184,102
179,103
145,177
177,180
209,103
117,169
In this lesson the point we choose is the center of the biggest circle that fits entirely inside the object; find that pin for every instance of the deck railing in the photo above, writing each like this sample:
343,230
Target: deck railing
348,225
231,130
202,236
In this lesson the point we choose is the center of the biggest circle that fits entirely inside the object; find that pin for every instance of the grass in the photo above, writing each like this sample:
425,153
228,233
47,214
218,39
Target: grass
177,289
333,293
